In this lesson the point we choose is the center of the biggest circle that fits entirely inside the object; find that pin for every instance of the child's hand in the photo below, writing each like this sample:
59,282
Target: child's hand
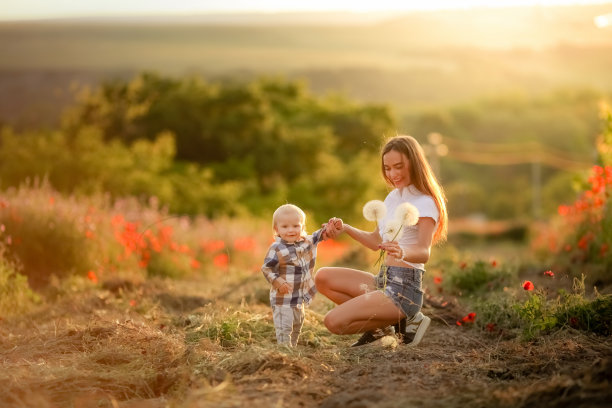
334,227
283,288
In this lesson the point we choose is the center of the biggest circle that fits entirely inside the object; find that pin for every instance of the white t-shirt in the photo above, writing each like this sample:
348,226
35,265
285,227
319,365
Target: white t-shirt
423,202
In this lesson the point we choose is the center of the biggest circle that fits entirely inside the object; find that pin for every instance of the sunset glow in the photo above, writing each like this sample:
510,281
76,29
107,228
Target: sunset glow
37,9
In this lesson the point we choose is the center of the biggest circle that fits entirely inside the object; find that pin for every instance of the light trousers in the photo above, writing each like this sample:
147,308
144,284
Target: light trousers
288,322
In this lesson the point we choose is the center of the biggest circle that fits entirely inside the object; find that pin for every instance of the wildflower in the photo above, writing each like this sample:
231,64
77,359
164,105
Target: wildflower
573,321
91,275
374,210
549,273
491,327
494,263
459,323
133,303
584,241
603,249
245,244
463,265
437,280
221,260
407,214
51,200
213,245
563,210
469,318
393,230
567,247
528,285
195,264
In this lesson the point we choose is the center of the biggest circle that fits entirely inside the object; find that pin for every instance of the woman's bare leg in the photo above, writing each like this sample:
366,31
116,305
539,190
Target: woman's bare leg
363,313
343,284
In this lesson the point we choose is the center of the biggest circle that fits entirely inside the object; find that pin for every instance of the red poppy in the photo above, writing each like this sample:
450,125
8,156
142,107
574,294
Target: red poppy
245,244
462,265
213,245
528,285
91,275
494,263
549,273
459,323
491,327
133,303
437,280
563,210
195,264
469,318
603,249
221,260
51,200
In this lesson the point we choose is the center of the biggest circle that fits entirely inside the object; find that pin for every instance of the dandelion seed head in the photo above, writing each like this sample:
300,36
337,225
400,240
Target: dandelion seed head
374,210
407,213
393,230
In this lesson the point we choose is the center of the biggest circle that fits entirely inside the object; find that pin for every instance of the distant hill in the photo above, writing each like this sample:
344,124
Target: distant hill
404,59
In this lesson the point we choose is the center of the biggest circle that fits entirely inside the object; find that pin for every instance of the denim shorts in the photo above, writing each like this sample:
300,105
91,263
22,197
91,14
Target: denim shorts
402,286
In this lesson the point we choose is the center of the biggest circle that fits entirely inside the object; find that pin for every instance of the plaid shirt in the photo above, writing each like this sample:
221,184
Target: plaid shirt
295,264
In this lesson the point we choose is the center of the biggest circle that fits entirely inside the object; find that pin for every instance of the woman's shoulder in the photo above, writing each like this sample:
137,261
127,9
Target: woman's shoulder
422,201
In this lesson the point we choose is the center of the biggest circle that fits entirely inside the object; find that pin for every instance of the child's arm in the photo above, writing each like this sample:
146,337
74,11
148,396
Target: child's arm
281,286
271,272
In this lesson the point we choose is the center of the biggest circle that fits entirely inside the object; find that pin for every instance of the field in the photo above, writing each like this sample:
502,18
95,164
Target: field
211,344
134,216
144,309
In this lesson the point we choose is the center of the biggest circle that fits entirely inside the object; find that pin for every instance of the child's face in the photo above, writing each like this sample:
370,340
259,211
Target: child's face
289,226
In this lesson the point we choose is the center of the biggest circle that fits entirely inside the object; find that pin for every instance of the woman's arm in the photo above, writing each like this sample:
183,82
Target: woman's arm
370,240
418,252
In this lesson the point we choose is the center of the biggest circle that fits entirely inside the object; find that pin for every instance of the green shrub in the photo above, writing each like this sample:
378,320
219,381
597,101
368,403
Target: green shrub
479,277
15,293
46,233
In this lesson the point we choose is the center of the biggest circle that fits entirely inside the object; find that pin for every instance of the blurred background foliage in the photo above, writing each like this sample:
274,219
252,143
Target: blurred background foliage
243,147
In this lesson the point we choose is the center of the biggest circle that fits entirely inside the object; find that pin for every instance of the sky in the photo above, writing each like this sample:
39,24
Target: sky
45,9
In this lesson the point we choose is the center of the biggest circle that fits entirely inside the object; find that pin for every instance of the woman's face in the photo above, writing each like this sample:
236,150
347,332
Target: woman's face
397,169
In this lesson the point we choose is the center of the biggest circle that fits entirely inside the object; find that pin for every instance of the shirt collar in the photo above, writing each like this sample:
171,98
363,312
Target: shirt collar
411,190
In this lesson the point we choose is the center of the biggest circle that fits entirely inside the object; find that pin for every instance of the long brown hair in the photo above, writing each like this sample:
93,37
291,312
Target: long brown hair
421,176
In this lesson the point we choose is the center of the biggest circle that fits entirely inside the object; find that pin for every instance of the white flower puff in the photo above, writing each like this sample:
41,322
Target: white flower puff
374,210
407,214
393,230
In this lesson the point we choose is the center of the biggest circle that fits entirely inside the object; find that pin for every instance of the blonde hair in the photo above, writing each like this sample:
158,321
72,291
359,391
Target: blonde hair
421,176
288,208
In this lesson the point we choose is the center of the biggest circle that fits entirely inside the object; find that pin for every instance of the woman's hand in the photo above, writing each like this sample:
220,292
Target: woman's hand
334,227
392,248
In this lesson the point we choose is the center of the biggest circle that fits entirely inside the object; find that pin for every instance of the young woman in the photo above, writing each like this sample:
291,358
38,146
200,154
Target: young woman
361,307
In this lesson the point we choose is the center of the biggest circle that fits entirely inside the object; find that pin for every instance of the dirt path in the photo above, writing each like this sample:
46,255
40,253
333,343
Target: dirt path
203,344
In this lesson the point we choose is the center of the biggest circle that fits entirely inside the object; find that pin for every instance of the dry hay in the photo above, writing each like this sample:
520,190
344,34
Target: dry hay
62,363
